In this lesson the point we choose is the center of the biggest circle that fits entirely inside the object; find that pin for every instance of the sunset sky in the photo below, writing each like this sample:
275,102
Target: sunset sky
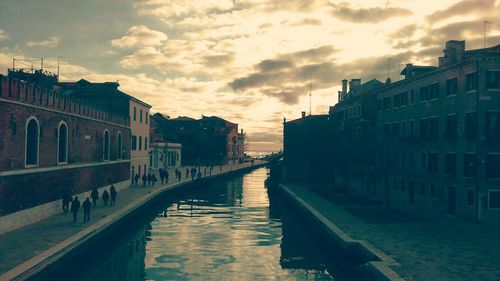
247,61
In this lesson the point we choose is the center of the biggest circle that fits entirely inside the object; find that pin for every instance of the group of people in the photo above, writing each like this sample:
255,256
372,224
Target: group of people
149,179
107,198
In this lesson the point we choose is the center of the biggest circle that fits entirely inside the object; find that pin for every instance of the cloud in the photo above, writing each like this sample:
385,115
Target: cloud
175,9
465,7
140,35
344,12
52,42
271,65
3,35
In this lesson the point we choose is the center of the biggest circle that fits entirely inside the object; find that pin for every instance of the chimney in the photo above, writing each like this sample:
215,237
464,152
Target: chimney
339,98
354,83
344,88
409,70
303,114
453,51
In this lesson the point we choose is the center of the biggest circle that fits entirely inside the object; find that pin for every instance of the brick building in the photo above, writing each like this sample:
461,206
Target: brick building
51,143
439,136
107,96
209,140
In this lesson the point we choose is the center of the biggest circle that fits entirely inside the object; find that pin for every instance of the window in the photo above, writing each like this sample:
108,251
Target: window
140,116
493,79
493,125
493,166
433,127
106,142
450,164
147,117
423,127
451,87
470,129
494,199
395,130
423,161
404,98
432,189
411,126
140,143
424,93
134,142
411,160
62,143
135,113
432,163
471,82
469,165
434,91
145,143
379,104
32,141
470,198
404,129
397,100
412,96
387,130
387,102
451,126
119,149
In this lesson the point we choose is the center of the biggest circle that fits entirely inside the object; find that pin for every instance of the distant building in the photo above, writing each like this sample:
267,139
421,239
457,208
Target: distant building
306,149
52,143
207,141
352,133
107,96
439,136
165,155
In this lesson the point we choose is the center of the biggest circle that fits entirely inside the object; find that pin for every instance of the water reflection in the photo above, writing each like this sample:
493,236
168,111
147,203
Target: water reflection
228,230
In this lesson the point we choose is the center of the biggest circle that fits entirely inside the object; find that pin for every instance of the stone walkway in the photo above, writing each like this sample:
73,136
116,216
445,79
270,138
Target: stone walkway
24,243
425,249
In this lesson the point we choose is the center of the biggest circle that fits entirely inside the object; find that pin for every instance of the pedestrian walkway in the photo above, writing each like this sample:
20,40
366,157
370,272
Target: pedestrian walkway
25,243
425,249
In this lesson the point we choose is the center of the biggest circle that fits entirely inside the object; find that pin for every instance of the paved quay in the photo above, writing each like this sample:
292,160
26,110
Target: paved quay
425,249
39,240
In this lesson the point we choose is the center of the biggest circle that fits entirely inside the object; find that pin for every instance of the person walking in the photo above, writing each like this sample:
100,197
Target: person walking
105,197
112,192
94,195
137,179
66,199
162,175
86,210
75,206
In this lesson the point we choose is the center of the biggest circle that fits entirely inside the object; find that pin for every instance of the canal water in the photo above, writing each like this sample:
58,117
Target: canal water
230,229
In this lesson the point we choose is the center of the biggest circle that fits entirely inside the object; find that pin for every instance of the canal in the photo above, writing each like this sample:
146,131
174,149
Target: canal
229,229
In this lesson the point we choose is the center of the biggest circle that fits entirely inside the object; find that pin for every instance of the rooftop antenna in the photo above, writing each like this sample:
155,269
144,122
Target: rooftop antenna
484,32
310,92
58,64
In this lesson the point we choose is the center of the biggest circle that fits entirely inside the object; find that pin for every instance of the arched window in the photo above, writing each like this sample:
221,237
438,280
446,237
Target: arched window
105,149
62,143
32,141
119,146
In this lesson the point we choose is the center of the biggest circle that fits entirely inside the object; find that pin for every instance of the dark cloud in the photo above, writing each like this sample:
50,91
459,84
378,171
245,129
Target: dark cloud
271,65
315,54
465,7
344,12
404,32
307,22
218,60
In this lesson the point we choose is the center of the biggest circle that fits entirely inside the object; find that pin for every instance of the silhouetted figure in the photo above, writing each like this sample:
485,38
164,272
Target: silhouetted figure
112,192
105,197
94,195
199,175
153,179
137,179
144,179
167,176
66,199
162,175
75,206
150,178
187,173
86,210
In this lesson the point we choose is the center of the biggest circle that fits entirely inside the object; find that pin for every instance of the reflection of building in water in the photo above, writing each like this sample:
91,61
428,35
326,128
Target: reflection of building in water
125,262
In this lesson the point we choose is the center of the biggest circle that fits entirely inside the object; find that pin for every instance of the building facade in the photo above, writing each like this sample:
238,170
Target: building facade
140,140
52,144
438,136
